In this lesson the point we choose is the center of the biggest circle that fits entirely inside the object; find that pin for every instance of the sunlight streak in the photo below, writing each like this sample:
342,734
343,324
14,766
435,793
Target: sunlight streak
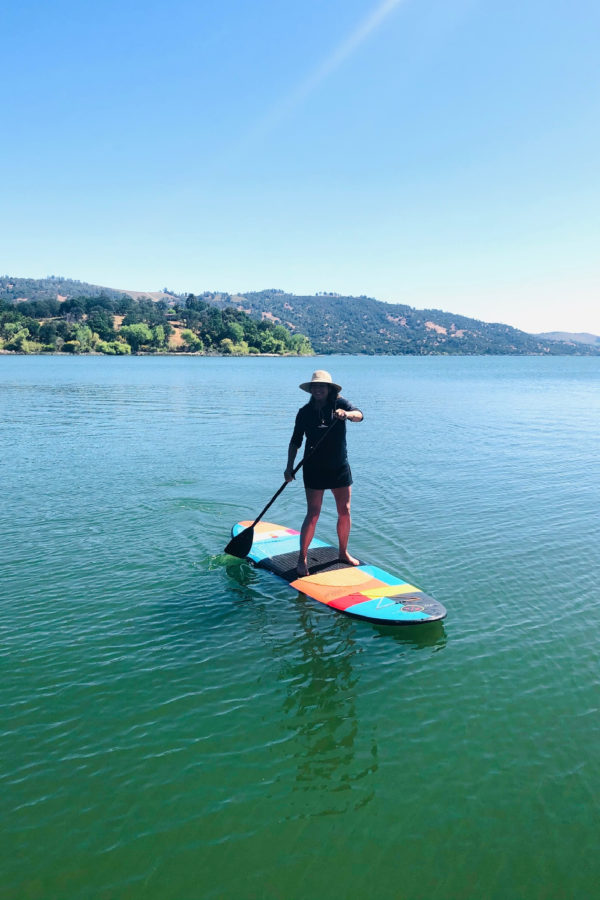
340,54
343,51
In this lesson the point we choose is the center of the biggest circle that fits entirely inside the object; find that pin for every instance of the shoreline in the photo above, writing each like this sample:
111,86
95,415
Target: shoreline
187,353
172,355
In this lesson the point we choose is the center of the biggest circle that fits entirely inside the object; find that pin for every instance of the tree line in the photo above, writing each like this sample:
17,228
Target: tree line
121,325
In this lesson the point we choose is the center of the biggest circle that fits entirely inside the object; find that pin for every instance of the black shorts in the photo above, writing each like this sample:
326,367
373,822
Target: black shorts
319,478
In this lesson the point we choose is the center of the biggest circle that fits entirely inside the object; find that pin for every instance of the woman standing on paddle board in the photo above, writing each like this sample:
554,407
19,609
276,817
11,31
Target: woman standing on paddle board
327,468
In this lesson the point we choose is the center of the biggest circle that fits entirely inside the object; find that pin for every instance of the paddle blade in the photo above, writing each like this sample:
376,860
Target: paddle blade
241,544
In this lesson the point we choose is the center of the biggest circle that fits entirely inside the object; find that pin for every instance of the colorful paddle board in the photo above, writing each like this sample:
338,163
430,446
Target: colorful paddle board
365,592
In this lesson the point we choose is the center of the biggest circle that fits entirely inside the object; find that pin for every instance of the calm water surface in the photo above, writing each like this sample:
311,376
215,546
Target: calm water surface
175,724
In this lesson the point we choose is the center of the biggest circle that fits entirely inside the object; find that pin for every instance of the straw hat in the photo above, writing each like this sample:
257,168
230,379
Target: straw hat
320,377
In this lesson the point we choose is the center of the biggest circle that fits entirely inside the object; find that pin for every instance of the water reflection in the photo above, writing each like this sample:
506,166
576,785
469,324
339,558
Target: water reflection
421,637
333,748
242,574
331,754
333,757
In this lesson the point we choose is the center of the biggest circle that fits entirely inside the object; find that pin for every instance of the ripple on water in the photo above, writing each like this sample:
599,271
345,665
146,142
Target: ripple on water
182,717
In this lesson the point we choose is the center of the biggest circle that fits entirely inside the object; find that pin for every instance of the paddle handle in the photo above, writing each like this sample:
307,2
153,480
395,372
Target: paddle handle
296,469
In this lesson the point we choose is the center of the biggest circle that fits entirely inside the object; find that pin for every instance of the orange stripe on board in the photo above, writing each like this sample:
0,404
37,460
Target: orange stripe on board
349,577
326,593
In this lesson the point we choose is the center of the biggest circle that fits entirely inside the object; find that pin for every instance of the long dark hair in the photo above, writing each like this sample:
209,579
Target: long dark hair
332,396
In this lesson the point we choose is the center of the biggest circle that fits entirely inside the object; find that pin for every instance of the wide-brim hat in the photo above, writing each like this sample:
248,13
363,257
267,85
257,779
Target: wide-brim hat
320,377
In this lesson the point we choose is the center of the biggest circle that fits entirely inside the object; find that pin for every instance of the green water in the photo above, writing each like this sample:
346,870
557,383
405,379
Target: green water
178,725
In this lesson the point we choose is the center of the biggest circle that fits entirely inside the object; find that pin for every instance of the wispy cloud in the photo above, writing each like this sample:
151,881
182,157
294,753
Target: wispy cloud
335,59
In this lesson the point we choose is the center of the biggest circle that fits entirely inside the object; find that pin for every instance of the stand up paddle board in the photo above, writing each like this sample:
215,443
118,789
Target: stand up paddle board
364,592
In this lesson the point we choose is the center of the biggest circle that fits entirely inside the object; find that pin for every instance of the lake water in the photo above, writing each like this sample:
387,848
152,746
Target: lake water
178,725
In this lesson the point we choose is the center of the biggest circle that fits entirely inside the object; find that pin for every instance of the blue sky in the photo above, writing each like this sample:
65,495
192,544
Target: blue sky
440,153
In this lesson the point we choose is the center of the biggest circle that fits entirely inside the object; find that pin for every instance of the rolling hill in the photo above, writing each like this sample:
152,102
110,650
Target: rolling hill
338,324
342,324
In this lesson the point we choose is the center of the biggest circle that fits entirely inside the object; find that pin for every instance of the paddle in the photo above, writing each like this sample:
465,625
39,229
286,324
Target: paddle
240,544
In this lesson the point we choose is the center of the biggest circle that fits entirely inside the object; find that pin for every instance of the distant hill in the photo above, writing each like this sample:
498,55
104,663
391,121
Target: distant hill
583,338
166,295
55,287
341,324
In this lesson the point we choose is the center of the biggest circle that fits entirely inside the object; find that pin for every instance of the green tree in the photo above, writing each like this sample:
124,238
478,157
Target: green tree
281,334
300,344
101,321
270,344
74,309
32,325
84,336
48,333
64,330
16,338
158,336
228,347
235,332
192,341
10,329
112,348
136,335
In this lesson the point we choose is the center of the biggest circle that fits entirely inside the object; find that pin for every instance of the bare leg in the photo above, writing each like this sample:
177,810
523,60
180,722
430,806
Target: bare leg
314,500
342,500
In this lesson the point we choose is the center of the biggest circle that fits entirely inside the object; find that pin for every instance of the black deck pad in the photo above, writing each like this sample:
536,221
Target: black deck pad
320,559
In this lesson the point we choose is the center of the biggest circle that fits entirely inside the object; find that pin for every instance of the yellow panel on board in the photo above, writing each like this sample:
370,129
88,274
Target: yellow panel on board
389,590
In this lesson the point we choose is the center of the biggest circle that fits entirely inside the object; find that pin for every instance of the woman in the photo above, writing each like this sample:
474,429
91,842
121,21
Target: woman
327,468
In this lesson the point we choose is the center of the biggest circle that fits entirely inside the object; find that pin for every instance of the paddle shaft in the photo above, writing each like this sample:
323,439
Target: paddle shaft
296,469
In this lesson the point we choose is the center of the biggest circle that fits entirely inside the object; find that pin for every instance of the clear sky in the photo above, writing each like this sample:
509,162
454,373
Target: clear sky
440,153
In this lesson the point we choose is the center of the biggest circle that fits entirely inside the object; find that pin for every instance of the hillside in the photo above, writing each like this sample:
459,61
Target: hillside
339,324
55,287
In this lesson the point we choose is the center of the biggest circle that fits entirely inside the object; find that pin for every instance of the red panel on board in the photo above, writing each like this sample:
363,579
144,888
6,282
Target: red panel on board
348,600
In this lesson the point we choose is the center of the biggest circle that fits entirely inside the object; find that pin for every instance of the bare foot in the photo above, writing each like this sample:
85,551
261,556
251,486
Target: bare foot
351,560
302,568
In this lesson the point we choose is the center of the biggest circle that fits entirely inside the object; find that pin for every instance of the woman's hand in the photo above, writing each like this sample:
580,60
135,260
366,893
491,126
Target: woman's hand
289,476
352,415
